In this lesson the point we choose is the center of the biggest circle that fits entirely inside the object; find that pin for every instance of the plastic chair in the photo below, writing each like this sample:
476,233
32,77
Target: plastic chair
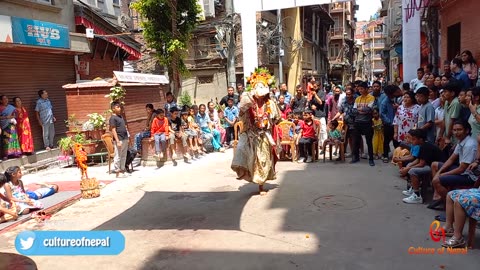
285,127
107,139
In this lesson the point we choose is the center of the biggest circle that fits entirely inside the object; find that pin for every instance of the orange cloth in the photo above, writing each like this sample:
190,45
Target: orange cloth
159,126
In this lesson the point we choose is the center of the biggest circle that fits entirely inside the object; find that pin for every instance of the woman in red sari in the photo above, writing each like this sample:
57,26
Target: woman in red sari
23,127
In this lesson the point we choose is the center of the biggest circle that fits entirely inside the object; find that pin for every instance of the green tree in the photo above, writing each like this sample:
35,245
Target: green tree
167,28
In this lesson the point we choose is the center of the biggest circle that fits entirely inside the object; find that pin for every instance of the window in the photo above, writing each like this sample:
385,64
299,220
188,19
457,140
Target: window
116,2
334,50
92,3
336,23
45,1
205,79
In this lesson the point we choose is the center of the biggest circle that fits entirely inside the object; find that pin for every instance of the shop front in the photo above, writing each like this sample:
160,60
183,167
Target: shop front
38,55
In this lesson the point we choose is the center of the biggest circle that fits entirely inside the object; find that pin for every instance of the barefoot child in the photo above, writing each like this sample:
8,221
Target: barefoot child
15,192
191,134
44,191
193,126
7,213
377,135
334,137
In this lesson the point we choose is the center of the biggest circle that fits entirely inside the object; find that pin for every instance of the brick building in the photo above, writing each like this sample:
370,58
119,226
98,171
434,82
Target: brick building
341,45
109,48
459,28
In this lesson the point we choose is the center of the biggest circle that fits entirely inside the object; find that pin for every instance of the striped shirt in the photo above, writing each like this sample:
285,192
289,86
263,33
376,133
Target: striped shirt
365,105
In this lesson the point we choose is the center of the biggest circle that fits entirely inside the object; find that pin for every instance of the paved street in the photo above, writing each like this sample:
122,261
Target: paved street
198,216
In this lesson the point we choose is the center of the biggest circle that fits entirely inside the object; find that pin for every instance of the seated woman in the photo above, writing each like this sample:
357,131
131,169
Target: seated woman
15,192
449,175
460,204
7,213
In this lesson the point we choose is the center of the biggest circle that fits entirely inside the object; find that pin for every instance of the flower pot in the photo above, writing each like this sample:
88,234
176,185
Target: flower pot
89,148
67,152
71,133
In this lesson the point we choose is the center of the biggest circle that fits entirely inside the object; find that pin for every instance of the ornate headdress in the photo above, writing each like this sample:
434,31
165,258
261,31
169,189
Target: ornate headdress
260,77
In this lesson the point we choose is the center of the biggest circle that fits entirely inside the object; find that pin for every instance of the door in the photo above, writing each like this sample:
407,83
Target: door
453,41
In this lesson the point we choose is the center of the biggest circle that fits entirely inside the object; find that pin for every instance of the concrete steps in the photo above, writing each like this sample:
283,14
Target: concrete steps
38,161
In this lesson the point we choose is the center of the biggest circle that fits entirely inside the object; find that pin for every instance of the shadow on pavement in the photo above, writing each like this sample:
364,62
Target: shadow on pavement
185,210
11,261
353,212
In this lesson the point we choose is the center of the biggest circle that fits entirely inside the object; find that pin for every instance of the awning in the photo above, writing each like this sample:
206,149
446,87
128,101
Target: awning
134,54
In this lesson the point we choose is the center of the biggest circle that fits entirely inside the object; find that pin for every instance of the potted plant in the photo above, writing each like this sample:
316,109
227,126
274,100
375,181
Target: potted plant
65,144
87,145
117,93
96,125
73,125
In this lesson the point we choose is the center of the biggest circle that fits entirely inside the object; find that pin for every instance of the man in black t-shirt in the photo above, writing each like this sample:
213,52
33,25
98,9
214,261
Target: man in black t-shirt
230,94
120,137
421,167
316,103
175,123
299,101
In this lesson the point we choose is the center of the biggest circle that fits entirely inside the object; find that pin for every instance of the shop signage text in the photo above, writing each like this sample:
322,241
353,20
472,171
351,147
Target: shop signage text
38,33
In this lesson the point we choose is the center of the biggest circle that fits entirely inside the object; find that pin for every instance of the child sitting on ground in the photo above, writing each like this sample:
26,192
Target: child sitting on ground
334,137
15,192
44,191
377,135
8,210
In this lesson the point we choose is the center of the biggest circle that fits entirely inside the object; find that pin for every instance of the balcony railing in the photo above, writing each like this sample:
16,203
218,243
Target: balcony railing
337,32
204,51
379,45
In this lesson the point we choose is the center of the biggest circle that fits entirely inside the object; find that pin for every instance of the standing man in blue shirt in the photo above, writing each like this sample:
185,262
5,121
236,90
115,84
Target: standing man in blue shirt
44,112
459,74
231,115
387,109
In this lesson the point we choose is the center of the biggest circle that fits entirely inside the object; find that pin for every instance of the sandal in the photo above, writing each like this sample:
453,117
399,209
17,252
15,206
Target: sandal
442,231
41,216
436,205
454,243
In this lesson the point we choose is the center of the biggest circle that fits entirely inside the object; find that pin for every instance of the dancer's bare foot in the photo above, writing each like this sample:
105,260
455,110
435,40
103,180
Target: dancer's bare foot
262,191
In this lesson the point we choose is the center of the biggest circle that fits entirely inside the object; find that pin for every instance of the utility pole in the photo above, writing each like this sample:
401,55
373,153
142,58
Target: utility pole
230,37
280,46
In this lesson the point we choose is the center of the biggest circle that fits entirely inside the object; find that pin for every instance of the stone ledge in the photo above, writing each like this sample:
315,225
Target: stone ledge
35,5
37,161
